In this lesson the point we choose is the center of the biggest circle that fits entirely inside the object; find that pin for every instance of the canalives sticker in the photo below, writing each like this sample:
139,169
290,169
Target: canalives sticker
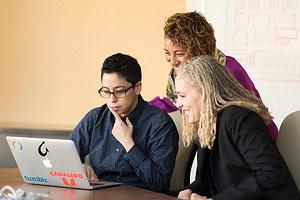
68,175
72,182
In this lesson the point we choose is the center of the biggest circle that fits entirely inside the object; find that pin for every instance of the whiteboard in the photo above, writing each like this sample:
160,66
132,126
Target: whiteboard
263,35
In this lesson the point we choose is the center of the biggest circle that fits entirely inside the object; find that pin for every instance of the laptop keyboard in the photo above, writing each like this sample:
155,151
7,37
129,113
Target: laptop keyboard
96,183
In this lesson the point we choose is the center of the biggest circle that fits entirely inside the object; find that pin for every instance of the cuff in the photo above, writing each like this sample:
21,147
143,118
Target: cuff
134,156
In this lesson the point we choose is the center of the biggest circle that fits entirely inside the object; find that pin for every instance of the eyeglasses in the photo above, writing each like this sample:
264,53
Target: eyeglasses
118,93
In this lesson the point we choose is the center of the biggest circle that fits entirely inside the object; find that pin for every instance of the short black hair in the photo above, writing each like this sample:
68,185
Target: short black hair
124,65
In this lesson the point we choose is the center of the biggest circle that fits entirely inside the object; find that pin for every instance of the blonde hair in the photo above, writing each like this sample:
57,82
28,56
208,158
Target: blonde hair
219,90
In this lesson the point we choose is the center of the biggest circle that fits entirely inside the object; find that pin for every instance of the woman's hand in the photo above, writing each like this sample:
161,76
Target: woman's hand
185,194
195,196
90,173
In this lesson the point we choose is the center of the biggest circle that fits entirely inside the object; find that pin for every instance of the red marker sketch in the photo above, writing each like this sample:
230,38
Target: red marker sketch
263,35
289,4
270,5
285,20
240,38
241,20
261,20
240,5
286,34
254,5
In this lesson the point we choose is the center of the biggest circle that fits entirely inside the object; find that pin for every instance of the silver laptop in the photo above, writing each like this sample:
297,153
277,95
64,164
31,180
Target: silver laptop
52,162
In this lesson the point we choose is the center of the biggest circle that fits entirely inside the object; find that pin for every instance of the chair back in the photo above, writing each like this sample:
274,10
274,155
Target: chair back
288,143
185,156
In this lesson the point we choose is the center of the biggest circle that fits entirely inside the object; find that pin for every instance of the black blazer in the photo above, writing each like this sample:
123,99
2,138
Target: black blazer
244,162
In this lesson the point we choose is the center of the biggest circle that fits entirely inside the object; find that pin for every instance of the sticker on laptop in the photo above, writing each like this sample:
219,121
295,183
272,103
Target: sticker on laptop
67,175
36,179
17,145
43,152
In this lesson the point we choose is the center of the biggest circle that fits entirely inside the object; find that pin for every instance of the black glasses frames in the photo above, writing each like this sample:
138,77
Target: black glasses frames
117,93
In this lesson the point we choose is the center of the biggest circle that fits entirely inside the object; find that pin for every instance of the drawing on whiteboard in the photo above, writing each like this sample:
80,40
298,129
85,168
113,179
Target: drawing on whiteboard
265,37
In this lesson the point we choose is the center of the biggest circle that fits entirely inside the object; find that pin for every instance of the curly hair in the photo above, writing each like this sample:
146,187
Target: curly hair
220,90
191,32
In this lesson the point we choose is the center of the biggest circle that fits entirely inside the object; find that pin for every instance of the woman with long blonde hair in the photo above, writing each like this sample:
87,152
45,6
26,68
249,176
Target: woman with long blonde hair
230,125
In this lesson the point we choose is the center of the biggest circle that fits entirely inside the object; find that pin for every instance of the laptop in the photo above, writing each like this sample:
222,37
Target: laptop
52,162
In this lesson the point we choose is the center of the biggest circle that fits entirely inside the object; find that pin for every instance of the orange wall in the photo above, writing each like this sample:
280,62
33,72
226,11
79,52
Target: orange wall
51,53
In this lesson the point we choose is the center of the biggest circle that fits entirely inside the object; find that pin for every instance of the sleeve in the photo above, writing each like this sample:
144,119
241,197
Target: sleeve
81,135
196,186
164,104
242,77
270,176
240,74
156,169
200,185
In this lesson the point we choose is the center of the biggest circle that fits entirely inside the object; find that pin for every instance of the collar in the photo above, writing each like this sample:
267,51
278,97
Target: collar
138,109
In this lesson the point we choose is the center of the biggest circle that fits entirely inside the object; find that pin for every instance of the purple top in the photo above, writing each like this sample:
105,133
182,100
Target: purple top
164,104
240,74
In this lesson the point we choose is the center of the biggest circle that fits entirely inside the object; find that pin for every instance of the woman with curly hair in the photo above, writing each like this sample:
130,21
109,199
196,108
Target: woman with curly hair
188,35
230,124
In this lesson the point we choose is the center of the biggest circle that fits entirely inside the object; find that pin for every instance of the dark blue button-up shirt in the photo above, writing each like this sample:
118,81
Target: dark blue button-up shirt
149,163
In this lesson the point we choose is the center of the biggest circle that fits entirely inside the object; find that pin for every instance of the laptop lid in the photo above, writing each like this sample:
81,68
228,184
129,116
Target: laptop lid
52,162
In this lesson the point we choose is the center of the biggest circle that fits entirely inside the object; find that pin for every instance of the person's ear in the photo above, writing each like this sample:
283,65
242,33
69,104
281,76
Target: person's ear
138,88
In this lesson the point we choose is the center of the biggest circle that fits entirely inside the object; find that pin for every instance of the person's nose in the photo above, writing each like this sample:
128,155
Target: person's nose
173,61
179,103
112,98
